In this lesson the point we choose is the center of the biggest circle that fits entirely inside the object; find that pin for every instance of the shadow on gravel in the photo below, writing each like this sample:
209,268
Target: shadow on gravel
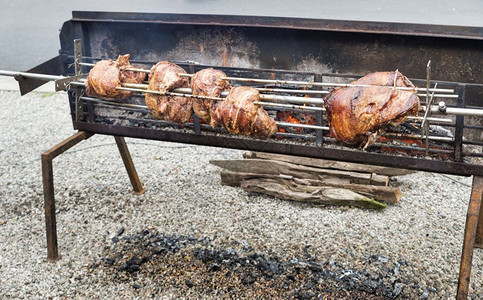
154,264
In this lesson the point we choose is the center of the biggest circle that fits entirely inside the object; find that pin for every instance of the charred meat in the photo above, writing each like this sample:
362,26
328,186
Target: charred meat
357,116
208,82
240,115
164,77
107,75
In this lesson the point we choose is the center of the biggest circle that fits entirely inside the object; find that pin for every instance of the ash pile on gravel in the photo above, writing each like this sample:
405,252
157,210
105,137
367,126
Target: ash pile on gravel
152,263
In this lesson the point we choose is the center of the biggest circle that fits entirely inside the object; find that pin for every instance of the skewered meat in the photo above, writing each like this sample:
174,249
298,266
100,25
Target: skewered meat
164,77
106,75
386,79
358,115
207,82
240,115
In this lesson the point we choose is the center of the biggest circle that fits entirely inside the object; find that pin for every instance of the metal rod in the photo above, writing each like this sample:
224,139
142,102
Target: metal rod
317,92
276,98
127,69
458,111
129,105
435,109
312,108
302,82
31,75
435,120
327,84
129,165
427,113
419,136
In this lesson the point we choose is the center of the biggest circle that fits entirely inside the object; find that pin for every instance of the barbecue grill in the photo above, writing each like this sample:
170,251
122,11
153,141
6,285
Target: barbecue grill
293,63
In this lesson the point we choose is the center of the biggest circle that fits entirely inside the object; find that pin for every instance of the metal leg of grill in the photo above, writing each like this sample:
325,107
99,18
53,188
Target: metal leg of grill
48,185
473,236
128,163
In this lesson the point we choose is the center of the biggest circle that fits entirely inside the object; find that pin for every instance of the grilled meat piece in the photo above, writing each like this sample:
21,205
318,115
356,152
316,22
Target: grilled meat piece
386,79
359,115
240,115
208,82
106,75
164,77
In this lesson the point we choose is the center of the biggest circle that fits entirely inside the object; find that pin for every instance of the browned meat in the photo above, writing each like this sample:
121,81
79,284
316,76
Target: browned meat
106,75
208,82
240,115
385,78
358,115
164,78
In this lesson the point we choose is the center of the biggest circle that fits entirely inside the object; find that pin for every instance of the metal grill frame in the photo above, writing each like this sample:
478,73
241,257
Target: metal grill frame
451,44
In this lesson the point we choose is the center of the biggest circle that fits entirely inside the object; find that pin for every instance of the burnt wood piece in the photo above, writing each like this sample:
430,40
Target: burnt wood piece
379,193
263,166
473,236
290,190
329,164
48,183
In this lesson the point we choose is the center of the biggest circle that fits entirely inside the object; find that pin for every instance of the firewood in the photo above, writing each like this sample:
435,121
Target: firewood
289,190
329,164
379,193
264,166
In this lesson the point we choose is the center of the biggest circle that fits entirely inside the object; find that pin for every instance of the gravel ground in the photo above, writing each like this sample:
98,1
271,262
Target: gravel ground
188,236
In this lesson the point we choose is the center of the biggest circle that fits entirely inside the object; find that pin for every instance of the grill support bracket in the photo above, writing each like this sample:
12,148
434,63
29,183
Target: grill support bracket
48,183
473,237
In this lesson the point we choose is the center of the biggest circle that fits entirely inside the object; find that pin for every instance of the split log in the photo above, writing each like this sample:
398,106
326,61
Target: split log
264,166
329,164
289,190
379,193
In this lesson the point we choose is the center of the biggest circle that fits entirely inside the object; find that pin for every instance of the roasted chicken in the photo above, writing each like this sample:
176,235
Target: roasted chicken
107,75
207,82
240,115
164,77
359,115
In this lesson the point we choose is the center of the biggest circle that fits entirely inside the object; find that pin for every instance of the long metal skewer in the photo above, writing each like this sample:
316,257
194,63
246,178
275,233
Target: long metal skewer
327,84
435,109
318,92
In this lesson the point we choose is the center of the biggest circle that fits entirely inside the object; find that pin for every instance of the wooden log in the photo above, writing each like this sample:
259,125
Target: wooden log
288,190
329,164
264,166
379,193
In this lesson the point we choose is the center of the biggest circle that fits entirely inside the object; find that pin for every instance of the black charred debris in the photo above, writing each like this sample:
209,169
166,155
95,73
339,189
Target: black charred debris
195,266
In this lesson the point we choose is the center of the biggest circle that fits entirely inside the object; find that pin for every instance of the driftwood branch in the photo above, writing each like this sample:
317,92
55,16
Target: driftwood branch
264,166
329,164
289,190
379,193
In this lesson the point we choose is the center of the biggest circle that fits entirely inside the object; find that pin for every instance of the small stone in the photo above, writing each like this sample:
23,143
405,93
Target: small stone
120,231
189,283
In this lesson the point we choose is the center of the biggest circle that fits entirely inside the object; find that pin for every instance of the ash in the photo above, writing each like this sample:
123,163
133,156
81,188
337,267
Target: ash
200,266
